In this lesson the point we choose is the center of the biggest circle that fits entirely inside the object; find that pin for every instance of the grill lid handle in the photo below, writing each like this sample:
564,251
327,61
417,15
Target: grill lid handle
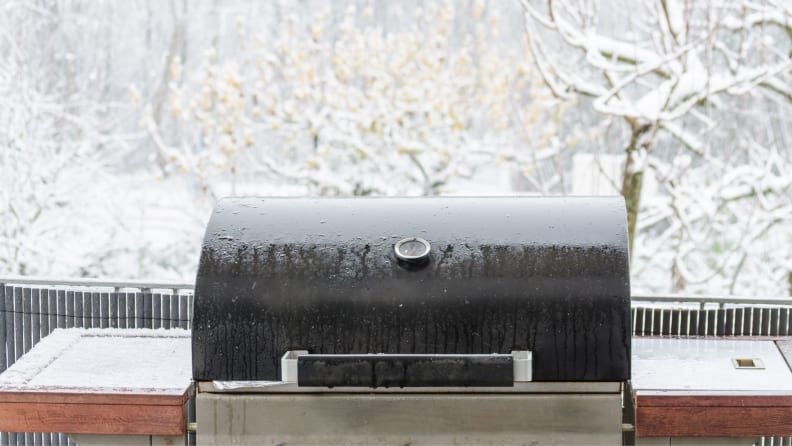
399,370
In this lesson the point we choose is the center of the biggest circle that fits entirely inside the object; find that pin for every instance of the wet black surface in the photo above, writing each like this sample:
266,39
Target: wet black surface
548,275
405,371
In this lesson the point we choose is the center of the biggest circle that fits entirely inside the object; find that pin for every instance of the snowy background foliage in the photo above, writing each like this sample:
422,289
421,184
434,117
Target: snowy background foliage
121,123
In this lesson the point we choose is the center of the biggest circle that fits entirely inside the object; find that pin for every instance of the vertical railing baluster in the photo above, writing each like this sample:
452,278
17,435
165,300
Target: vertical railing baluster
188,316
3,337
130,311
27,330
156,310
652,319
96,308
79,311
761,313
52,297
87,307
104,310
174,311
35,317
44,304
183,311
679,322
61,309
643,321
10,330
70,310
660,331
166,307
721,318
122,310
148,311
139,309
113,309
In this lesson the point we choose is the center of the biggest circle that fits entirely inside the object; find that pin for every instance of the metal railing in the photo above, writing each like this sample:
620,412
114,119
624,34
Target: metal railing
116,285
711,316
31,308
730,321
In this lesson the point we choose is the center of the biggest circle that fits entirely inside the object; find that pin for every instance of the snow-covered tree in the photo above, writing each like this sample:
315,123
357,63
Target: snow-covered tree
340,105
49,139
65,148
679,75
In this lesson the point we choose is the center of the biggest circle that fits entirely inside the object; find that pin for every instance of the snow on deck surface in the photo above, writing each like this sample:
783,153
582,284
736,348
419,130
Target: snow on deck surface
706,365
104,361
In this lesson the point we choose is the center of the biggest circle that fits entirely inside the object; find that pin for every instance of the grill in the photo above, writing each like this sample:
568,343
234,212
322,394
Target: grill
313,311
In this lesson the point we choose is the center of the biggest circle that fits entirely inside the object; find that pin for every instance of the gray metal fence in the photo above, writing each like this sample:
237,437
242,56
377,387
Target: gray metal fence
710,316
31,309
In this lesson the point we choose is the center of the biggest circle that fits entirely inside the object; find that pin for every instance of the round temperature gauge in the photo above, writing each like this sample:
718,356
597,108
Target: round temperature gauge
412,249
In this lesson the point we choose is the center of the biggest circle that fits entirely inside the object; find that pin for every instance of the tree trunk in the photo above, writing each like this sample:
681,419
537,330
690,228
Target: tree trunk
631,190
632,180
789,281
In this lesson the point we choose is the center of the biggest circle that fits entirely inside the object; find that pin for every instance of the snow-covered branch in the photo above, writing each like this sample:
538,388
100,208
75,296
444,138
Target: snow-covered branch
349,110
693,82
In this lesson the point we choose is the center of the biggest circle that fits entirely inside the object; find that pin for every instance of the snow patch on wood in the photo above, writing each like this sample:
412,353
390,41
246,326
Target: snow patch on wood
104,360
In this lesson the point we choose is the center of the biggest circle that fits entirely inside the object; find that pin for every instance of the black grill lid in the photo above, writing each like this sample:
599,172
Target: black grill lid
549,275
